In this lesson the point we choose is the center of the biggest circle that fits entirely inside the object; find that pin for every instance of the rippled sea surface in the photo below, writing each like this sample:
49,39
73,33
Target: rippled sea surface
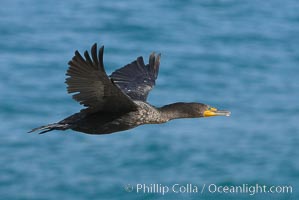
237,55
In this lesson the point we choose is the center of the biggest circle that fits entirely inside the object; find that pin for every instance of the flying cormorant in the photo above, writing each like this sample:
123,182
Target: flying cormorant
118,102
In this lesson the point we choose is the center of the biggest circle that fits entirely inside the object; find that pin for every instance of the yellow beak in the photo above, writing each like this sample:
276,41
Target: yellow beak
210,112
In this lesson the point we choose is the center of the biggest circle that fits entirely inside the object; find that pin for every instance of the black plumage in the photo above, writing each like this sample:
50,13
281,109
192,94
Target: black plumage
118,102
91,85
137,79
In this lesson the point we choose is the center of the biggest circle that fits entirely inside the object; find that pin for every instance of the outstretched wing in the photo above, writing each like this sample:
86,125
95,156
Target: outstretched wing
137,79
91,85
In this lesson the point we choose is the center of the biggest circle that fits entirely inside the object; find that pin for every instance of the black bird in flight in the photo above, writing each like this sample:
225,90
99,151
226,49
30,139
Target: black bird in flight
118,102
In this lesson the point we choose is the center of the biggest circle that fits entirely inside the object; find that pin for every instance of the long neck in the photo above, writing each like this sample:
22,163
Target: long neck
178,110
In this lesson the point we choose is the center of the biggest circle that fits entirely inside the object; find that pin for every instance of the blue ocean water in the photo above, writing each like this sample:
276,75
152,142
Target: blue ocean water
237,55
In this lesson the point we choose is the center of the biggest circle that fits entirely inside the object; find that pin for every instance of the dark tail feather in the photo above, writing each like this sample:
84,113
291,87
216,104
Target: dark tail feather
50,127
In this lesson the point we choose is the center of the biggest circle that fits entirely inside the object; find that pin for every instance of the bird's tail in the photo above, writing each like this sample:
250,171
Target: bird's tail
50,127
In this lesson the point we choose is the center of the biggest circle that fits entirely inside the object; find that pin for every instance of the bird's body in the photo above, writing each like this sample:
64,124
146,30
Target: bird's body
118,102
107,122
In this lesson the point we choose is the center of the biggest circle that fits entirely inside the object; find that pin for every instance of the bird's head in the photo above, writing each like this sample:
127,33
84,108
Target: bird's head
191,110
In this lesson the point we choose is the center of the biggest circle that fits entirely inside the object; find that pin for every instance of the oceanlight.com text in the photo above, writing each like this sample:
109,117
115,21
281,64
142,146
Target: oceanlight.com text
250,189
